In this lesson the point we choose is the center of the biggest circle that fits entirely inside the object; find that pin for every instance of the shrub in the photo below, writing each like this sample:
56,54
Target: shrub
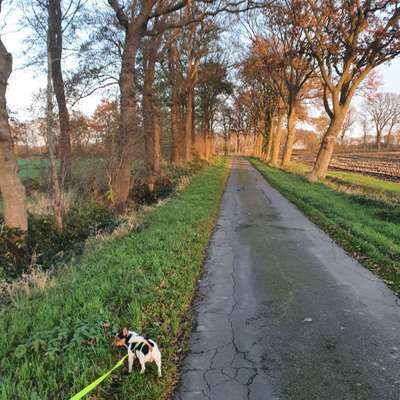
44,245
13,252
141,194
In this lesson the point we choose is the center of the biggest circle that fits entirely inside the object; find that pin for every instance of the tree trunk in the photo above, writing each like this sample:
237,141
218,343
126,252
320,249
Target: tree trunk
175,124
260,145
291,135
182,128
210,146
260,135
327,146
190,82
249,145
205,145
194,150
11,188
189,126
389,137
152,136
206,134
176,132
277,138
55,38
342,135
128,135
378,138
51,142
270,129
150,111
157,145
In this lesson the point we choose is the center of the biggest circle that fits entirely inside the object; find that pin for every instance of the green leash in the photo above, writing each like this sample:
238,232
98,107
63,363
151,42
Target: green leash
90,387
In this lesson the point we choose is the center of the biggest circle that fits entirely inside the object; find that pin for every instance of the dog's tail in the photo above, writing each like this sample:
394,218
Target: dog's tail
151,342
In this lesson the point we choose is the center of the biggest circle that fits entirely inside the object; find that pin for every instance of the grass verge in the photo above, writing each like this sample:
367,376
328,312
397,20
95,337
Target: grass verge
368,229
367,183
58,340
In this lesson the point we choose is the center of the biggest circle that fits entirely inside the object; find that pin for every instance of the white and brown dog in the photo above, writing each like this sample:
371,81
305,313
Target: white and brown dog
144,349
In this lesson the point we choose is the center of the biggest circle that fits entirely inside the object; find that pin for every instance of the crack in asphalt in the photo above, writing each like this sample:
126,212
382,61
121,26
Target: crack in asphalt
235,346
208,393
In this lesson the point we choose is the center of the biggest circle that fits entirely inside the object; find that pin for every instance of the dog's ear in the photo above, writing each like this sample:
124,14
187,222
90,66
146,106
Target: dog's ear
125,331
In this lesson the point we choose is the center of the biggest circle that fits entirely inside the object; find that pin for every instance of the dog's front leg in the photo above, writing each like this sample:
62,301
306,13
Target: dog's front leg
142,361
157,360
131,358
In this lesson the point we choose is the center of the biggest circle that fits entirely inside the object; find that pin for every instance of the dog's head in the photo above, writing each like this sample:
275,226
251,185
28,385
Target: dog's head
121,337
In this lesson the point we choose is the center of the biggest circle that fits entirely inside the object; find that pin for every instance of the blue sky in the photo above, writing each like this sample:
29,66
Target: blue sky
391,76
25,83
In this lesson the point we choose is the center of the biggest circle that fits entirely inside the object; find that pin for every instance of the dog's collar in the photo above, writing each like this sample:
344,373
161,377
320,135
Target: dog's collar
127,339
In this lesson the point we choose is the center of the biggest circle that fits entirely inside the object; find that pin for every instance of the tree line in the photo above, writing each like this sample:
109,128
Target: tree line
308,52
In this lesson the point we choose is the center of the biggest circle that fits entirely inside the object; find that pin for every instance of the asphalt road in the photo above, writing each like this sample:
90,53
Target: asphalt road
283,312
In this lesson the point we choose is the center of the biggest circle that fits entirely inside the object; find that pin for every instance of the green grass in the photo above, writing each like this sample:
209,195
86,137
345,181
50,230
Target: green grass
352,178
32,169
57,341
368,229
366,181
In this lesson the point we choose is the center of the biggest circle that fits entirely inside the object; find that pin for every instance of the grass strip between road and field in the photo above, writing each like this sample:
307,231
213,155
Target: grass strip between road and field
58,340
352,178
368,229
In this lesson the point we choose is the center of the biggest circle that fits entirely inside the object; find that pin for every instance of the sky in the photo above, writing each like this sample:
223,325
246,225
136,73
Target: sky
24,83
391,76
